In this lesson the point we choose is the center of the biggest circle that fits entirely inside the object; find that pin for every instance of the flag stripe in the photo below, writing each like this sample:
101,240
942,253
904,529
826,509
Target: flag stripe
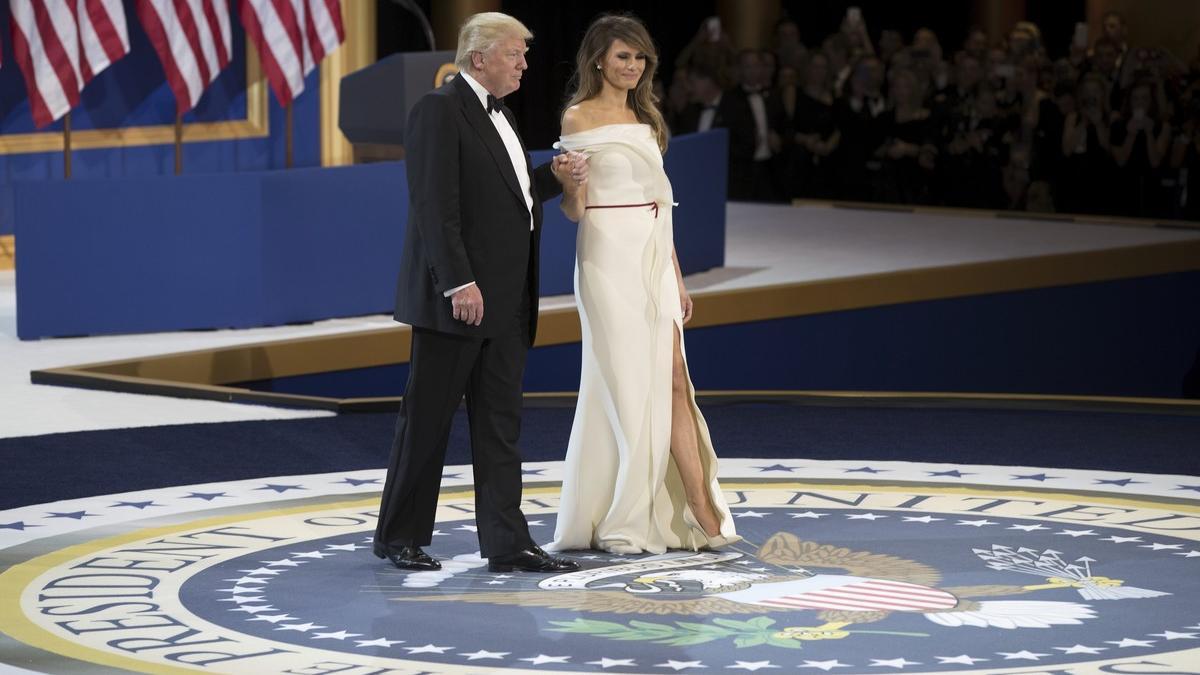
870,602
291,19
274,71
218,22
60,45
287,40
154,23
23,52
60,38
325,16
191,33
102,33
292,37
193,42
78,19
48,99
882,597
875,594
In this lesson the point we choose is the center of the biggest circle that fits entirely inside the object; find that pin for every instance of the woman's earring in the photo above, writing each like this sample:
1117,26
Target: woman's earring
597,66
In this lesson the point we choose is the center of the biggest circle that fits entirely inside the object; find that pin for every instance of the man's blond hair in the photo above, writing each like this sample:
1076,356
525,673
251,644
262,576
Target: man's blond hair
483,30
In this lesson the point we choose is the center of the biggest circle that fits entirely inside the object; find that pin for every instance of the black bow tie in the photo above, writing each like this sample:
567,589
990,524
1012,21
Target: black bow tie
494,104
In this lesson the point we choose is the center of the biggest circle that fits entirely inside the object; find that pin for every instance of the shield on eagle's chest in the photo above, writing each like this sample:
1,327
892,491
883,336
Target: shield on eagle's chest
847,593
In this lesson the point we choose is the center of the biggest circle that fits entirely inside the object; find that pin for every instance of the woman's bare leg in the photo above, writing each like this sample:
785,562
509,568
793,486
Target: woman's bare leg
685,448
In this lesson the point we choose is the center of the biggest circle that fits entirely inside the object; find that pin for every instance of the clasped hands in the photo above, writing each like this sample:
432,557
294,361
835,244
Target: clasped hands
571,169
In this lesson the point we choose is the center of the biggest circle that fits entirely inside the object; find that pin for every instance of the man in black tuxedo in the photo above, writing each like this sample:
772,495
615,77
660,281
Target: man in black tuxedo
704,112
751,144
474,222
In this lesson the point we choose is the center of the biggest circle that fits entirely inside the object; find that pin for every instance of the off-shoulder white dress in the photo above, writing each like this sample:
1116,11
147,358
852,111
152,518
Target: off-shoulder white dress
621,490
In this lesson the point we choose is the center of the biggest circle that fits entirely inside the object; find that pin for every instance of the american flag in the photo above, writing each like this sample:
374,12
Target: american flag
292,36
60,45
193,41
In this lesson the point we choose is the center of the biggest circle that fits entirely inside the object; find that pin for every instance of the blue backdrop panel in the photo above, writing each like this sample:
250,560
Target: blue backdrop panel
265,248
699,182
137,254
334,238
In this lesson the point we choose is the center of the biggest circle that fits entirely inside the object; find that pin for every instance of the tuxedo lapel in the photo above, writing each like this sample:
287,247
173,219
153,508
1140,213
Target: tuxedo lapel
477,117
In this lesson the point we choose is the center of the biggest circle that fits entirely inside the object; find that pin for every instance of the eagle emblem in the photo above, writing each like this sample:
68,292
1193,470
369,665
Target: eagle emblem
844,588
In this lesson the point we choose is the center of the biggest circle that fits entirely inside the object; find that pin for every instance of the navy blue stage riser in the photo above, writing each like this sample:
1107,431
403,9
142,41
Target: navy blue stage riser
133,93
266,248
1136,337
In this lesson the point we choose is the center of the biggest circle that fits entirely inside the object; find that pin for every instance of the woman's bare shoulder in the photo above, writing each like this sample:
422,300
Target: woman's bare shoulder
578,117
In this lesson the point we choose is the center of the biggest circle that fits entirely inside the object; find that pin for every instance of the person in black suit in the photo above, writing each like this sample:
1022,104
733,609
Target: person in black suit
753,139
704,111
474,222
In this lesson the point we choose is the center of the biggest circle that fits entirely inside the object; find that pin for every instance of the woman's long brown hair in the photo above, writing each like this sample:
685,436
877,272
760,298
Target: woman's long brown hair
588,80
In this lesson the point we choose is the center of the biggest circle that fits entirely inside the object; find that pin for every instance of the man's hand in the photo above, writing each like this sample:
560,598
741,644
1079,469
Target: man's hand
570,168
468,305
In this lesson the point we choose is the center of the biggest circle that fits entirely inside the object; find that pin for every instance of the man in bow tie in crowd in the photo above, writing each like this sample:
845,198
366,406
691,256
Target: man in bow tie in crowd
469,288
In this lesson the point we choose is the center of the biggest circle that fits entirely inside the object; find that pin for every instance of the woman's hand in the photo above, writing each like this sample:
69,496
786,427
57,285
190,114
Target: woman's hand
685,302
570,168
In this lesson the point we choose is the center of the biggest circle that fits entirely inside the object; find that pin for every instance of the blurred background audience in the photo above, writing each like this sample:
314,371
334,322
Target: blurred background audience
869,113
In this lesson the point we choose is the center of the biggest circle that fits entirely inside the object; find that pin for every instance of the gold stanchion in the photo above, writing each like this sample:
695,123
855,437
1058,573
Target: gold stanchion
997,17
750,23
358,51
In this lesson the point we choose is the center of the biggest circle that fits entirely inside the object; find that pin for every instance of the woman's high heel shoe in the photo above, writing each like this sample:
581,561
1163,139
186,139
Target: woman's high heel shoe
698,539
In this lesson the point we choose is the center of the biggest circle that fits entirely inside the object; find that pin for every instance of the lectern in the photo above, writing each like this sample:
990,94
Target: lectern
374,102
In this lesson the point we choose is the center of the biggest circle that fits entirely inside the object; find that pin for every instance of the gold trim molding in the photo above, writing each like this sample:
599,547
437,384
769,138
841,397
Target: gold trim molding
8,252
358,51
255,125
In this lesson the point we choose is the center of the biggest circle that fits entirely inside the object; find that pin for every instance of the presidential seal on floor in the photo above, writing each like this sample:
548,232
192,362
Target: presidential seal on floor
888,567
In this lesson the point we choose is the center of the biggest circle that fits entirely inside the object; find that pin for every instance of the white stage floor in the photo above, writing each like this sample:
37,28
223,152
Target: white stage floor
765,245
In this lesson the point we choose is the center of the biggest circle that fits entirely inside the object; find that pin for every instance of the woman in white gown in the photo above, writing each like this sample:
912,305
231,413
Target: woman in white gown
640,472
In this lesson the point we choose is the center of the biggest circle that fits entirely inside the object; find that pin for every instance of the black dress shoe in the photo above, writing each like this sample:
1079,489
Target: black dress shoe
531,559
408,558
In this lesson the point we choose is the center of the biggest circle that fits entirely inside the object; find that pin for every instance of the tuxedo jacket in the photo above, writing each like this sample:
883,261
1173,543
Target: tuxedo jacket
738,115
689,119
467,219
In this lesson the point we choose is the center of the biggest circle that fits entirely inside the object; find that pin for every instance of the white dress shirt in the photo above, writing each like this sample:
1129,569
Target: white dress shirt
709,114
762,147
512,144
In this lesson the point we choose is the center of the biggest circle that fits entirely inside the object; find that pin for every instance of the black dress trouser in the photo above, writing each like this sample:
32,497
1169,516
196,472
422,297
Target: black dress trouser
443,369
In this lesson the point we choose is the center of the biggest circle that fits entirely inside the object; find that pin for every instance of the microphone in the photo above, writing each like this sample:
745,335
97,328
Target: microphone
415,10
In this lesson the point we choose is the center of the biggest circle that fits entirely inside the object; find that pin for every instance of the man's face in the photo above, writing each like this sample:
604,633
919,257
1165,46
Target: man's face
752,70
969,73
1114,28
787,34
500,67
704,89
976,43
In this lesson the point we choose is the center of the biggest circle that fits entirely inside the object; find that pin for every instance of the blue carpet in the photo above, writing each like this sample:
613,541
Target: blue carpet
39,469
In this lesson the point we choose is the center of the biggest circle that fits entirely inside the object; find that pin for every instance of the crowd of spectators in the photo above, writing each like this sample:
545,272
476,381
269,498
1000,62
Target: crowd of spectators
1106,128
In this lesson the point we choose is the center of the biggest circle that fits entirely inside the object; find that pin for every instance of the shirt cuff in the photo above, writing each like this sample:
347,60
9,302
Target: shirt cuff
452,291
